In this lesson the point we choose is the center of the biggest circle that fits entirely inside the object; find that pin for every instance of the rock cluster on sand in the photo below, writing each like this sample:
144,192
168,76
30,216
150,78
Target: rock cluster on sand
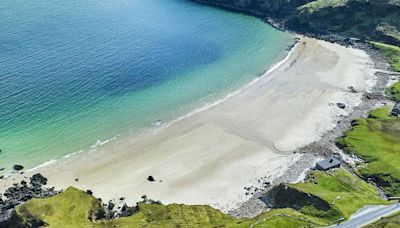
22,192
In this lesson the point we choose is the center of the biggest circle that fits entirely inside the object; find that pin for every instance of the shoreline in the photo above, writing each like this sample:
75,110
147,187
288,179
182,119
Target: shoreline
156,126
285,65
325,146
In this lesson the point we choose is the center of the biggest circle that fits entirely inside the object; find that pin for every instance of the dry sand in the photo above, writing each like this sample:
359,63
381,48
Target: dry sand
210,156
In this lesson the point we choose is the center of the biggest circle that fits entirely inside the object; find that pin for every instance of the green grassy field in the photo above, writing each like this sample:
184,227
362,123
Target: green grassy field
74,208
345,192
377,140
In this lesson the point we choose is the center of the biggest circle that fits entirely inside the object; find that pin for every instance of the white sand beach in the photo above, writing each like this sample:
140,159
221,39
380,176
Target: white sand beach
210,156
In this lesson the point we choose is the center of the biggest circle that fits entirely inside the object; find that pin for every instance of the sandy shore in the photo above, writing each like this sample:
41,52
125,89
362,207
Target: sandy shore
209,157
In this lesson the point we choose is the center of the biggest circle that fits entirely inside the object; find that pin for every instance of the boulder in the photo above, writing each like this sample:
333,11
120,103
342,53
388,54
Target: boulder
151,178
38,180
396,110
341,105
18,167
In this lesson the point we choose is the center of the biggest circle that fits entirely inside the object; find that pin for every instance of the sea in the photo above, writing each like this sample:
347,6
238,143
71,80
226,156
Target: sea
76,74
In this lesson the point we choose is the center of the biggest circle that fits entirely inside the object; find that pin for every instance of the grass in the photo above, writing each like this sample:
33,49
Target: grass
342,190
393,92
321,4
377,140
392,221
75,208
391,52
72,208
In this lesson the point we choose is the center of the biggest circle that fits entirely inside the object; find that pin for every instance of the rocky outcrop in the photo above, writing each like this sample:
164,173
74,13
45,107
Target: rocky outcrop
22,192
285,196
363,19
265,8
396,110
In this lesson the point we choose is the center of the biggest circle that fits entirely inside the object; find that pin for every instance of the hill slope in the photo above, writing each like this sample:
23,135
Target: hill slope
365,19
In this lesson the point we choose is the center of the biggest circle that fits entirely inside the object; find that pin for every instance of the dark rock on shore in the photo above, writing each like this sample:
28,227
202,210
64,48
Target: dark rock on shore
396,110
18,167
22,192
38,180
341,105
151,178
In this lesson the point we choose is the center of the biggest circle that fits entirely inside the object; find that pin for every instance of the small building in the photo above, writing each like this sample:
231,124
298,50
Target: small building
327,164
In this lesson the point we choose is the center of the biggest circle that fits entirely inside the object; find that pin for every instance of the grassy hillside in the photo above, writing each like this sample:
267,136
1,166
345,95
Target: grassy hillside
75,208
376,20
386,222
377,140
370,20
340,192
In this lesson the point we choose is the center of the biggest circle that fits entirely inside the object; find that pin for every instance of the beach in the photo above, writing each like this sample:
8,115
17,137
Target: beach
211,155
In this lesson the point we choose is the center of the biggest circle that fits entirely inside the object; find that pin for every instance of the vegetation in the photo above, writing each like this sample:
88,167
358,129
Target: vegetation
391,52
377,20
376,140
75,208
339,190
364,19
386,222
394,92
342,190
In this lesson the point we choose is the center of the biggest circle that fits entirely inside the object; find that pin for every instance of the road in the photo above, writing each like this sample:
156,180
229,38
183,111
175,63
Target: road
369,215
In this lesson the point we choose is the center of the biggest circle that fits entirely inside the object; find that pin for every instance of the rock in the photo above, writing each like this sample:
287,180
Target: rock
111,205
18,167
341,105
352,89
38,180
354,123
396,110
124,208
151,178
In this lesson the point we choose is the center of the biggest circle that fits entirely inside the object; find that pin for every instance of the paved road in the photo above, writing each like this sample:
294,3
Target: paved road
369,215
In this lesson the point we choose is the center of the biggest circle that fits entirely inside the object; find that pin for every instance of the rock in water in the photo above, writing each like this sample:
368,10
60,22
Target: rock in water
18,167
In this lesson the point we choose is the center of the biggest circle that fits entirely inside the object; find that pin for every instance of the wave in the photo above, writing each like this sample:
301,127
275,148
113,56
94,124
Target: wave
219,101
42,165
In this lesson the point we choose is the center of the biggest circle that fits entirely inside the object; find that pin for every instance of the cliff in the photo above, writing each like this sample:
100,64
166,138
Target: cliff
364,19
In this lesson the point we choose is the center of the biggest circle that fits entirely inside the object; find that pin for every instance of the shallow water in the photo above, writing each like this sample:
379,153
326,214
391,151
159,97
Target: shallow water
74,73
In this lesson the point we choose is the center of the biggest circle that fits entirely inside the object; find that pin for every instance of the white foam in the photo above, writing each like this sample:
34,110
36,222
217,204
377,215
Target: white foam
73,154
210,105
42,165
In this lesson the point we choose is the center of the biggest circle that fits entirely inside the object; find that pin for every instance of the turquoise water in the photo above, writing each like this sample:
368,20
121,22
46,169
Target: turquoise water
75,72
